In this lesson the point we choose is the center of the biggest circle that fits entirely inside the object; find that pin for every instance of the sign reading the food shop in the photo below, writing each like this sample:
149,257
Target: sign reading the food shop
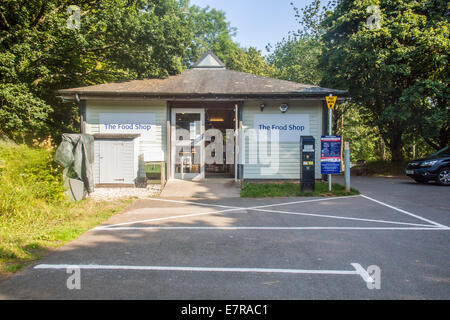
290,126
330,156
142,123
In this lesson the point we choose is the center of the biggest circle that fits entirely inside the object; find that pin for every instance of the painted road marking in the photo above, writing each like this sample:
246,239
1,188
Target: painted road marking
345,218
264,206
260,209
405,212
272,228
160,219
359,270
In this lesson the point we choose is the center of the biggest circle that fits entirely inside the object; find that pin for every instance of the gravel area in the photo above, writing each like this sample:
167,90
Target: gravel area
101,194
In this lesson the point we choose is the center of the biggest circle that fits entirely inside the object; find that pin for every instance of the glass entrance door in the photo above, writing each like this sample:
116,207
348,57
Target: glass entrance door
188,132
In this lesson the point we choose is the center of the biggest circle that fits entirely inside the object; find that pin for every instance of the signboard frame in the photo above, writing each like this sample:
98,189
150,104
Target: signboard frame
330,154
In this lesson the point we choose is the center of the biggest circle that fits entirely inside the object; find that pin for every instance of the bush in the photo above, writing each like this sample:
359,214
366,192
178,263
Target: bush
27,176
34,213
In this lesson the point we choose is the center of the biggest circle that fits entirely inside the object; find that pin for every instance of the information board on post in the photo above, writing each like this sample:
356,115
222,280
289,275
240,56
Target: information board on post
330,155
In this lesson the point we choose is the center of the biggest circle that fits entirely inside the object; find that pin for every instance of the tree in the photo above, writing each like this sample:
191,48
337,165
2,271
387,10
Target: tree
250,61
117,39
21,114
211,31
381,66
296,58
429,102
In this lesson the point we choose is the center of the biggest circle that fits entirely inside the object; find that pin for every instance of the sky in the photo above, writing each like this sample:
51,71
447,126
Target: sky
258,22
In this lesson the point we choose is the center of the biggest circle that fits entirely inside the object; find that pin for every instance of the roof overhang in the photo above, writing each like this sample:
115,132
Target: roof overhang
73,96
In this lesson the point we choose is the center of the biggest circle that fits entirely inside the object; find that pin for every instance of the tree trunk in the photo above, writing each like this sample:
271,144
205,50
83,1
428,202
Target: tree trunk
444,136
395,146
382,148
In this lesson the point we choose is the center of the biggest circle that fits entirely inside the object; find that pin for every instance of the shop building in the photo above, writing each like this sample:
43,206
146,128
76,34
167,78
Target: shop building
177,121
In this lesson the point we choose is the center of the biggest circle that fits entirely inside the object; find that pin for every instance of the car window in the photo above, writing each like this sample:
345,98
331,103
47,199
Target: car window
445,152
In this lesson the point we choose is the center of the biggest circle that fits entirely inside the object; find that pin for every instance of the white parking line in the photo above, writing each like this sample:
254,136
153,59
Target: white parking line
345,218
359,270
273,228
304,201
160,219
263,206
191,202
260,209
405,212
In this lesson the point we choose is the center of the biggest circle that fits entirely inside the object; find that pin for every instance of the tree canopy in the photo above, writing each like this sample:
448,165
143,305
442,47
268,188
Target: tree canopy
42,49
392,57
397,72
116,39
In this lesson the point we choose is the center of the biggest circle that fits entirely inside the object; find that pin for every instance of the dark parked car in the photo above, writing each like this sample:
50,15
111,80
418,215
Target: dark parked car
435,167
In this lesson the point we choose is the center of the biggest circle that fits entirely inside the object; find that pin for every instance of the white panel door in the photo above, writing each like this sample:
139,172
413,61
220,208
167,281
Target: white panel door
116,161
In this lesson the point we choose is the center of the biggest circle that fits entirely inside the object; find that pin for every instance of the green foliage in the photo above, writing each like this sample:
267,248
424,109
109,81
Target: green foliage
34,214
288,189
22,115
211,31
429,102
297,56
364,140
250,61
30,174
311,17
296,59
117,40
381,67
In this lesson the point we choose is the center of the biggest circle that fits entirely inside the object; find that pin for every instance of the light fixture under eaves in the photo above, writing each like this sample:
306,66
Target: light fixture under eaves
262,106
283,108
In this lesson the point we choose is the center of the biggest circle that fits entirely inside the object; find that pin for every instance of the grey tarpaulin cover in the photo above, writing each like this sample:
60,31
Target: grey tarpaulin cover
76,153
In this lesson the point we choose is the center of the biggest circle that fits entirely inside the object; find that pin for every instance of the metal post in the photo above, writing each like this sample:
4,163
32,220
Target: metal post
347,166
330,124
236,142
182,167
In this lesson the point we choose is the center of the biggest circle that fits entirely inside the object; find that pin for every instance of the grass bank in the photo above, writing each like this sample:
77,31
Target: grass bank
34,214
289,189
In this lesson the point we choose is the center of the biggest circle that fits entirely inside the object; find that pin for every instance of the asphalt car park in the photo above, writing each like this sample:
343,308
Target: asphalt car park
391,242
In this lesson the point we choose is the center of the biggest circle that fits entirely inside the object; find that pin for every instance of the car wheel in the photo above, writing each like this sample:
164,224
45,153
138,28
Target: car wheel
444,177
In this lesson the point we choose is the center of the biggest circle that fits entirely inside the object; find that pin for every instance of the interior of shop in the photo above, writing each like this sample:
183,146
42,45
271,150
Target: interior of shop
221,119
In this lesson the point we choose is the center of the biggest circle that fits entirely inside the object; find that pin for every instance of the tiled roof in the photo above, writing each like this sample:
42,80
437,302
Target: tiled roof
205,81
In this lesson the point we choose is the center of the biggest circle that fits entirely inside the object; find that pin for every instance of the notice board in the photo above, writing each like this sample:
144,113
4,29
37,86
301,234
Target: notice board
330,155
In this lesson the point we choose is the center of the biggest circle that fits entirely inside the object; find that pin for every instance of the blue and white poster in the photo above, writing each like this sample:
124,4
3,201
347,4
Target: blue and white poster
330,155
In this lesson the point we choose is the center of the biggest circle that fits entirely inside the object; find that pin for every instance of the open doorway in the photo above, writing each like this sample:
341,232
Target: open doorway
220,119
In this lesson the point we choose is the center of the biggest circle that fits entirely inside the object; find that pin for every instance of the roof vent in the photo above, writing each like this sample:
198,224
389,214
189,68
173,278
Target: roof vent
209,60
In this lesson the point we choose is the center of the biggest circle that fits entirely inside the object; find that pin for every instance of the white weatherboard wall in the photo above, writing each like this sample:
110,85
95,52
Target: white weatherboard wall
289,149
152,146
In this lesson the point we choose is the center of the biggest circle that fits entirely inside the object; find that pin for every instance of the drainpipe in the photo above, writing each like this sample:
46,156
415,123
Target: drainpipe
82,105
236,152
